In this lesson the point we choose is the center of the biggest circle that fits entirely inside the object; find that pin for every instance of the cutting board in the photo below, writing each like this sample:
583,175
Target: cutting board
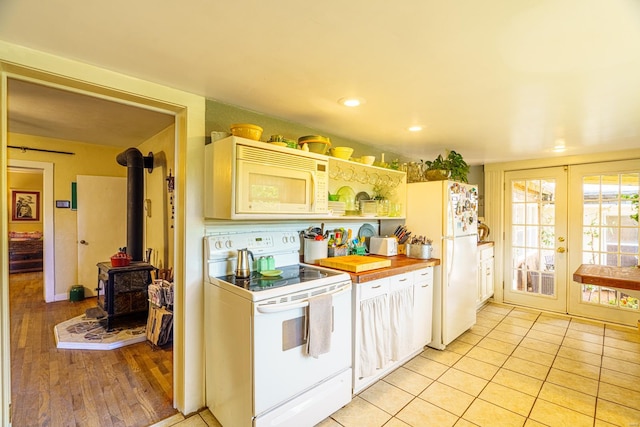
354,263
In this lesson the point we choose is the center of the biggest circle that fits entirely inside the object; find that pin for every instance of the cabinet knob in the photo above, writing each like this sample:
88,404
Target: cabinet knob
84,242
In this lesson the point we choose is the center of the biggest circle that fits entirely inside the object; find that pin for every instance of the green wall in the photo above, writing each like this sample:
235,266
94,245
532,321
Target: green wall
220,117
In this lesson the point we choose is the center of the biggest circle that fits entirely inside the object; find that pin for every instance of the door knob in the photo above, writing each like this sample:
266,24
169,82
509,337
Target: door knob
561,250
84,242
560,239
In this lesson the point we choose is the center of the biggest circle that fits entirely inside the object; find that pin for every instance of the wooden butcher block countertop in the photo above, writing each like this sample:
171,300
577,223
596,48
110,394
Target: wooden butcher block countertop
614,277
399,264
487,243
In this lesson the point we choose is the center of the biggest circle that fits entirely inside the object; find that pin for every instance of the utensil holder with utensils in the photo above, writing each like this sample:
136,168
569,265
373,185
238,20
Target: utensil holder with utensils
418,251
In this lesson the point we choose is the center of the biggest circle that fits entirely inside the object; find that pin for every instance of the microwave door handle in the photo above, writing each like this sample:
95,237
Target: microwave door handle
279,308
313,191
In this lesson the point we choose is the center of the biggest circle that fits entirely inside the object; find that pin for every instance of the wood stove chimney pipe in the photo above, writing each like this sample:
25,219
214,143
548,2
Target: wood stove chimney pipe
135,162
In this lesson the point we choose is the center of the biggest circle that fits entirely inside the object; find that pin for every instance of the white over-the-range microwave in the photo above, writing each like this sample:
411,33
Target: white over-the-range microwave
246,179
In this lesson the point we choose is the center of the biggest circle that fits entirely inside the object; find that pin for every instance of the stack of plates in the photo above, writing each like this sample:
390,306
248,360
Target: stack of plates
337,208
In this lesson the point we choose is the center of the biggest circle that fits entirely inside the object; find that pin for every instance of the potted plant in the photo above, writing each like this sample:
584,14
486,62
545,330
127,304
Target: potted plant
451,167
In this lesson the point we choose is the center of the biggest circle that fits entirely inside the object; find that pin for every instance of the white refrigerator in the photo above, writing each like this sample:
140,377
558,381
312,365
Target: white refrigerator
447,212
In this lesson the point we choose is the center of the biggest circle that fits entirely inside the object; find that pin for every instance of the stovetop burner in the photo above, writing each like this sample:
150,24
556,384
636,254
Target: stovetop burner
291,275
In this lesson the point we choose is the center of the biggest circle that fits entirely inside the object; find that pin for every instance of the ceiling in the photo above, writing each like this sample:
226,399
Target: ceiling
495,80
51,112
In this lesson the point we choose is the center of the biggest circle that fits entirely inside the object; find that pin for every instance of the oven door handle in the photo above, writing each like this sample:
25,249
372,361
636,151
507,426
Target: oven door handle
278,308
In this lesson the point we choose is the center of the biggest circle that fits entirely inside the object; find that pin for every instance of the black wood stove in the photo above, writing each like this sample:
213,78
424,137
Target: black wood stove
123,290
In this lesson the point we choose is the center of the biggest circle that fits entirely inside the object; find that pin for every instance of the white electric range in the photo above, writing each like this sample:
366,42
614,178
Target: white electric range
258,372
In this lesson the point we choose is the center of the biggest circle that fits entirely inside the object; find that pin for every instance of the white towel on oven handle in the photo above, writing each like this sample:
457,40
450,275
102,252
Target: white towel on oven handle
319,325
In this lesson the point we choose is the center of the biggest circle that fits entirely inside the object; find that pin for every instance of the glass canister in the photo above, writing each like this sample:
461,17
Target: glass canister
414,172
395,209
383,208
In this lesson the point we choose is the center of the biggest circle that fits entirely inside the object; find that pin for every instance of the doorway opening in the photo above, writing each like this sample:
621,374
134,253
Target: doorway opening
54,269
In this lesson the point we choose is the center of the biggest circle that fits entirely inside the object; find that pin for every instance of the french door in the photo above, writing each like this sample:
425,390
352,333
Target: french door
559,218
536,238
604,231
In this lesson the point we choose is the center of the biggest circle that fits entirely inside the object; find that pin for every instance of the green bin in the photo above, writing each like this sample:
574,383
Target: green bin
76,293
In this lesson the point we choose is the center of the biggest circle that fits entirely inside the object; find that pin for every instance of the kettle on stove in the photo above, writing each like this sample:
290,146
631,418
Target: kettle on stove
243,268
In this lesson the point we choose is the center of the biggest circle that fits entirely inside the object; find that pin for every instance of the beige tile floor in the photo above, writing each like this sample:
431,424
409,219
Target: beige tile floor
515,367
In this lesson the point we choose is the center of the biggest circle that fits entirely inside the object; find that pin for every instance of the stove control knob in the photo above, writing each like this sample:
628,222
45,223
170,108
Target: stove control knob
218,244
228,244
285,239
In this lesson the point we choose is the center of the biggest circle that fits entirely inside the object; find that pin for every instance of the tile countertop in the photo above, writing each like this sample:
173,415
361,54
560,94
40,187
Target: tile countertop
399,264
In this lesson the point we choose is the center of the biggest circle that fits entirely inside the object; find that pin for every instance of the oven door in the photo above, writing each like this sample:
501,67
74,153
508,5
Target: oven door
282,368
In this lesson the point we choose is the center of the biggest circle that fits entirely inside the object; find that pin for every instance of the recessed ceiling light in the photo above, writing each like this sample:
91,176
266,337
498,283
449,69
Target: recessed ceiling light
415,128
351,102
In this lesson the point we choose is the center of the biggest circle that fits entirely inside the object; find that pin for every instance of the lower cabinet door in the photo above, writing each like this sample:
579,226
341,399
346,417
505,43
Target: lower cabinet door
423,307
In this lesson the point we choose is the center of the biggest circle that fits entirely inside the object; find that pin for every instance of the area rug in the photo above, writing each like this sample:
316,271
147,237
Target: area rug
88,333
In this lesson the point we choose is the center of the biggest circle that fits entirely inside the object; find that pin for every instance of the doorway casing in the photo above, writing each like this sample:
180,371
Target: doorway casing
49,265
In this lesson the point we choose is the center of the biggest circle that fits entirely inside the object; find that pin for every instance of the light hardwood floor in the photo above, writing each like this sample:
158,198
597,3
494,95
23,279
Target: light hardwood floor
130,386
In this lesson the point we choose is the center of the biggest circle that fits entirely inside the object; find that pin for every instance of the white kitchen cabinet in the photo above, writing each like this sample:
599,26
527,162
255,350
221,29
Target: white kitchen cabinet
423,307
392,323
485,273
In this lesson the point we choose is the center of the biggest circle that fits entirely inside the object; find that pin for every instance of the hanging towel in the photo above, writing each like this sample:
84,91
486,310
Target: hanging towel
319,325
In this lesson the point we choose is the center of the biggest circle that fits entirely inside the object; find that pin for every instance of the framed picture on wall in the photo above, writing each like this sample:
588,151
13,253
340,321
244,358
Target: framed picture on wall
25,205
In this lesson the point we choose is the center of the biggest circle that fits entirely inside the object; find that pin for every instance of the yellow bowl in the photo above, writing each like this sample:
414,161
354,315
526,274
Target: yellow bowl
342,152
318,147
246,130
314,138
368,160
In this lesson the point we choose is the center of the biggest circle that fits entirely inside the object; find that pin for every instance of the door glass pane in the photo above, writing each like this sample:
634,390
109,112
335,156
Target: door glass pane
533,191
591,293
628,302
518,236
517,191
533,236
518,216
547,238
548,215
